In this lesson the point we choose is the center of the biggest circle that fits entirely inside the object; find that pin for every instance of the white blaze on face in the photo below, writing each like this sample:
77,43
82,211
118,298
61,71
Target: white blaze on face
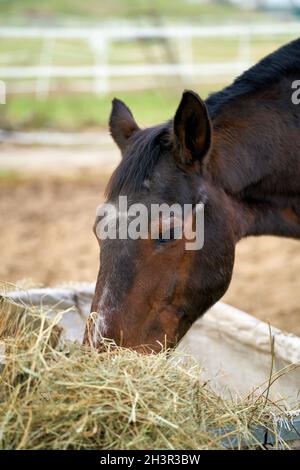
105,311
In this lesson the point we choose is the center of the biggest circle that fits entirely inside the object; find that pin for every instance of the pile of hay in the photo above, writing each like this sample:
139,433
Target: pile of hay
60,395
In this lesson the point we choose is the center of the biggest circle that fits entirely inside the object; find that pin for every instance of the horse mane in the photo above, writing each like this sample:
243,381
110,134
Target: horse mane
146,148
270,70
148,145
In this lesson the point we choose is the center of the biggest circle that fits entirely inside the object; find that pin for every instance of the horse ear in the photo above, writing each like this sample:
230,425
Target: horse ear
192,129
121,123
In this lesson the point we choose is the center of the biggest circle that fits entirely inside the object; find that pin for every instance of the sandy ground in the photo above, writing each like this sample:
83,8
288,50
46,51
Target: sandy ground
54,159
46,238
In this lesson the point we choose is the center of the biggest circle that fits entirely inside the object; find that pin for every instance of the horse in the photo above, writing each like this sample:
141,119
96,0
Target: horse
238,153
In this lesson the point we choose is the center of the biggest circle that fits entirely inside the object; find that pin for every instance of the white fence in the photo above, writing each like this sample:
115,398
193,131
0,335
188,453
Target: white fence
100,40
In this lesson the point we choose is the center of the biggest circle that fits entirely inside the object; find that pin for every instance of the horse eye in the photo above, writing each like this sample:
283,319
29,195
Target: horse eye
161,241
166,237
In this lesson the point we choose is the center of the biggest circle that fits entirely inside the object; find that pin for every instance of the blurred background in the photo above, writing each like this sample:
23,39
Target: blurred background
61,63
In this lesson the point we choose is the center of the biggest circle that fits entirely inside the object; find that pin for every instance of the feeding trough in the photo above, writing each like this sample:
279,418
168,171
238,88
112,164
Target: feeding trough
239,354
234,348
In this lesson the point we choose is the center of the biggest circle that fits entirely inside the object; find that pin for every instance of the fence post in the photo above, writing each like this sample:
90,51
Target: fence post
2,92
245,49
100,45
185,54
43,82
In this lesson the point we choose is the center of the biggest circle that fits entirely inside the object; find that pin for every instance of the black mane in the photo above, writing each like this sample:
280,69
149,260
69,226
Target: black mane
147,146
269,70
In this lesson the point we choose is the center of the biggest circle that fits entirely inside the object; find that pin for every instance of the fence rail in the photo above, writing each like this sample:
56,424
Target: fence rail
133,32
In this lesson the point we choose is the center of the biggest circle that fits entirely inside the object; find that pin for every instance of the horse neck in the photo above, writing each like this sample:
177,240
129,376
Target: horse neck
255,160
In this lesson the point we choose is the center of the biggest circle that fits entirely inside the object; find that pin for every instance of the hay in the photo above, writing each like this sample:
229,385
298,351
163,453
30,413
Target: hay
60,395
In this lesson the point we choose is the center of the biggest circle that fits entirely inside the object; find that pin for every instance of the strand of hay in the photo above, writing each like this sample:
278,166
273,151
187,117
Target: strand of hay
60,395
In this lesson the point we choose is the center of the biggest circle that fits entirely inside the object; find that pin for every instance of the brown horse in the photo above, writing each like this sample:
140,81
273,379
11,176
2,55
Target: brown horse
239,153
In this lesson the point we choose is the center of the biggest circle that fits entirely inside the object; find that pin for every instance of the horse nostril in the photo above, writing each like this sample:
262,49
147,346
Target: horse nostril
109,331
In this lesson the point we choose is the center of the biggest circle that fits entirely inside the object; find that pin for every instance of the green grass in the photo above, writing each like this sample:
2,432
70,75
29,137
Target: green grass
9,176
97,10
74,112
86,111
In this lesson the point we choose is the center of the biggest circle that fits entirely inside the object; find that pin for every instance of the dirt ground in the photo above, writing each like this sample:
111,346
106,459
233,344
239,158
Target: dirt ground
46,238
